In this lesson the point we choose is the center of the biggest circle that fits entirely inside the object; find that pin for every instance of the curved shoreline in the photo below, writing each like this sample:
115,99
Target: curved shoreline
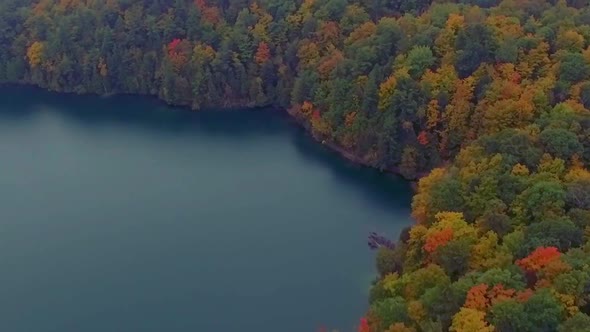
344,153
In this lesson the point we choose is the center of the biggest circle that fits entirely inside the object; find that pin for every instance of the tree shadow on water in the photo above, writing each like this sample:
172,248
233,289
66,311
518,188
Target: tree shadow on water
389,191
142,113
149,115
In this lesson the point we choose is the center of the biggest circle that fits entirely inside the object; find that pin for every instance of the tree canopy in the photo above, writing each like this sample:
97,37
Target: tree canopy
486,101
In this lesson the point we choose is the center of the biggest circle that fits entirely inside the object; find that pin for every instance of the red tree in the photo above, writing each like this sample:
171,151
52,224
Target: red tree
364,327
438,239
201,4
539,258
477,297
262,54
423,138
173,47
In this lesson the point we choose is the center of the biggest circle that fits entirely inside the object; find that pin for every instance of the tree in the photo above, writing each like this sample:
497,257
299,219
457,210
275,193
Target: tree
562,233
495,221
35,54
580,322
573,68
585,94
354,16
544,311
578,195
539,258
421,280
508,277
570,40
389,312
486,253
386,91
400,327
542,200
408,165
387,261
516,146
456,117
509,316
419,59
262,54
477,298
364,326
492,103
454,257
446,196
470,320
475,45
561,143
438,239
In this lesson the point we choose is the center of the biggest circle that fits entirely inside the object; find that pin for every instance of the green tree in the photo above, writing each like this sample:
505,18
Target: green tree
580,322
510,316
387,261
574,68
475,45
454,257
561,143
543,311
419,59
389,311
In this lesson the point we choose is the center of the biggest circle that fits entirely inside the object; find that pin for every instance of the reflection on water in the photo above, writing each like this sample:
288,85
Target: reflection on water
123,214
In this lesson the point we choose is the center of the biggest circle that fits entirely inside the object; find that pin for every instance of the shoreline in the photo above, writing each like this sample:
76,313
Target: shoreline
331,146
359,161
351,156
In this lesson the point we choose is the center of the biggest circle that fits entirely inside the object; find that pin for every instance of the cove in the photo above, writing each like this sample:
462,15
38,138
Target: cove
123,214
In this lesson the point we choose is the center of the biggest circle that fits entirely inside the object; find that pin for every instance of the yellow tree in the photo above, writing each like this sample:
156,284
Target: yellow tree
486,253
386,90
570,40
421,204
505,26
35,53
451,221
414,253
444,45
364,31
456,116
432,114
470,320
260,29
308,53
443,79
534,62
421,280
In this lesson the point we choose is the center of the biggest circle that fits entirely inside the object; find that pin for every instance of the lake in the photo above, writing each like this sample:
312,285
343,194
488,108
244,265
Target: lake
123,214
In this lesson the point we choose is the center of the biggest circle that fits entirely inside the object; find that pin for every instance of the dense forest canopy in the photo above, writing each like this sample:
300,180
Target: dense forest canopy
490,97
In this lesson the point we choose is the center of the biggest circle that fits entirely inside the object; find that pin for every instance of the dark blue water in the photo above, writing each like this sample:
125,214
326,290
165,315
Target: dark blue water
122,214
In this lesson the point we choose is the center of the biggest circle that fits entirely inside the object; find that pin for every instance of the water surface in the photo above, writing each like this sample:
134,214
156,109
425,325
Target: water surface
122,214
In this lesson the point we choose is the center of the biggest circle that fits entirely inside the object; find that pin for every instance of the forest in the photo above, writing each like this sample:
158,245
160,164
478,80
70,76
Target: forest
486,102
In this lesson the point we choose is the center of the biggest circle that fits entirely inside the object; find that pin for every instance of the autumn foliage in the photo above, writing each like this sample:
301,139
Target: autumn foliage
539,258
364,326
438,239
263,53
486,104
477,298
